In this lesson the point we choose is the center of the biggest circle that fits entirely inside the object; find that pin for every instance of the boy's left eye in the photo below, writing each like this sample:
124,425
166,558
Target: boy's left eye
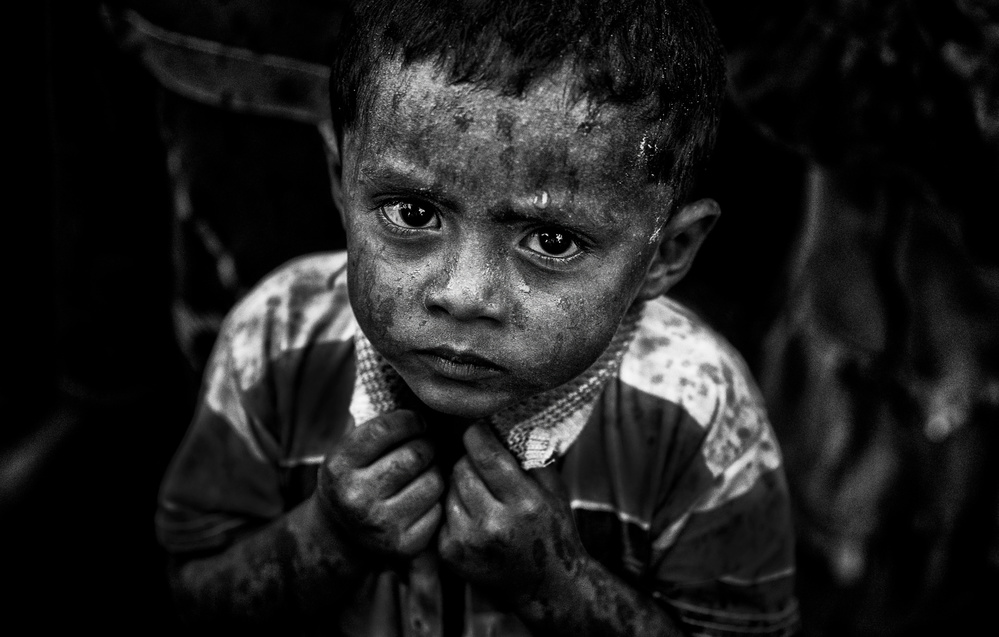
552,243
410,215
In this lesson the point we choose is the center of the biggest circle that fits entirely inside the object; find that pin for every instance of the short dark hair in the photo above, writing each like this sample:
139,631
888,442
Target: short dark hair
663,55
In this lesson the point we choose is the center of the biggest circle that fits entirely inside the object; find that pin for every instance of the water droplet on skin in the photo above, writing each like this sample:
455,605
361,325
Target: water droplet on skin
541,200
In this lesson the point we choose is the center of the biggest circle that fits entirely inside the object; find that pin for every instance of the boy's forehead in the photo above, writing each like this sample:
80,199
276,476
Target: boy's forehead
422,86
417,112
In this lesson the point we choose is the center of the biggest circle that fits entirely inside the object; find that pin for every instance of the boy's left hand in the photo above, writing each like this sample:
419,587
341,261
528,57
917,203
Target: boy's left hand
505,529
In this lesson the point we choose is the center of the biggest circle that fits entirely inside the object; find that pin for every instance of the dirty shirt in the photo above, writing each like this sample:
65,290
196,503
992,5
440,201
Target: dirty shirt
675,480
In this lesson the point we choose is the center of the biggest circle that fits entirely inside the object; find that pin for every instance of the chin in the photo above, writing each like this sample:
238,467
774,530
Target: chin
463,402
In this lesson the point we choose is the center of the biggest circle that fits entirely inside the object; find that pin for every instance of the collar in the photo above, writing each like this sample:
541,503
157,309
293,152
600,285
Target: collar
536,430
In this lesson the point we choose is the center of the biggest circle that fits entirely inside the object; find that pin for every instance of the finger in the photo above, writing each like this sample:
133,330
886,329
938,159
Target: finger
401,465
498,468
455,524
468,487
369,441
455,512
418,496
419,534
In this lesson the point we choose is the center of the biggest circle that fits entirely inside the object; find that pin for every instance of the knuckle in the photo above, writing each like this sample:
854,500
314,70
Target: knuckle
492,458
493,526
382,520
335,464
410,459
353,496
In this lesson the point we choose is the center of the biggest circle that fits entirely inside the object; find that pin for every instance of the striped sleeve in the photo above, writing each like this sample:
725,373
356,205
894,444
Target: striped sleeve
225,477
722,553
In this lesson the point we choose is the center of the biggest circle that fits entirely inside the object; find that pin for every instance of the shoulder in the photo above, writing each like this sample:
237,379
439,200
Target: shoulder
677,358
290,313
302,303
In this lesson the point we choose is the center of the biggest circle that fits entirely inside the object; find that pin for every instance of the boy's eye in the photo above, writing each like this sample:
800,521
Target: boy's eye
410,215
551,242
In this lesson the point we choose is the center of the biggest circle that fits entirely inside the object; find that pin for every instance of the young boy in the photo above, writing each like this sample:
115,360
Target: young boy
484,418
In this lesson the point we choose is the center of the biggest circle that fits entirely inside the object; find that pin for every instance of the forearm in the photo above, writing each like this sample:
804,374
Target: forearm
288,570
591,601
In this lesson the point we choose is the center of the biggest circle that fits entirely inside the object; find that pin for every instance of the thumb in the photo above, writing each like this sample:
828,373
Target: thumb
551,481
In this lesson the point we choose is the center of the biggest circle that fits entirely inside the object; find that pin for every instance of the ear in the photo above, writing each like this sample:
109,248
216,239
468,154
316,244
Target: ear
334,163
682,238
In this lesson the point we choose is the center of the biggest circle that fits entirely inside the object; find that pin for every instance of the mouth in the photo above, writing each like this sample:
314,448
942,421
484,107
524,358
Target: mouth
457,365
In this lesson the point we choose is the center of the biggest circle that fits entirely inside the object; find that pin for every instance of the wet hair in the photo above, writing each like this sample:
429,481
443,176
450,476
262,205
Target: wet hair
661,56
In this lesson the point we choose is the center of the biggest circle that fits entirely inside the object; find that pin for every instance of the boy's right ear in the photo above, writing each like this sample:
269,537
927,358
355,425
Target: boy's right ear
334,163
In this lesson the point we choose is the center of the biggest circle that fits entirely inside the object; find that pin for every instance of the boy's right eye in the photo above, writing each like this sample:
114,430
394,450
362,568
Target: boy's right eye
409,215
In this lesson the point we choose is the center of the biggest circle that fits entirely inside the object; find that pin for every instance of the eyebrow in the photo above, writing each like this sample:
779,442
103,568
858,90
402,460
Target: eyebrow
406,177
553,215
393,174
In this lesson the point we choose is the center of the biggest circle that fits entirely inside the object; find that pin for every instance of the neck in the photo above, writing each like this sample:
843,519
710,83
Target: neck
446,432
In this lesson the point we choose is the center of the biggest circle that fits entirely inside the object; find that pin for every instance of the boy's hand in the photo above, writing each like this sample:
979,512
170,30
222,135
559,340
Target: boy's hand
504,529
380,488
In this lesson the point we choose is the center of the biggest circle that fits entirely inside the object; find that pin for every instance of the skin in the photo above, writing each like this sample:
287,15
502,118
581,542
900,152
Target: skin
377,504
511,534
471,275
451,196
513,232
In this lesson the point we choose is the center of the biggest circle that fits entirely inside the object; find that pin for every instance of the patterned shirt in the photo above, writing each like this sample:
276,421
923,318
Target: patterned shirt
675,481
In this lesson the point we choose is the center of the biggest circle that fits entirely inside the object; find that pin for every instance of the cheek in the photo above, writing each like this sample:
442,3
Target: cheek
373,302
572,331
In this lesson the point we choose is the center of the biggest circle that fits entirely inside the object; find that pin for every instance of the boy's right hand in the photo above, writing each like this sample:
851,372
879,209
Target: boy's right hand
381,488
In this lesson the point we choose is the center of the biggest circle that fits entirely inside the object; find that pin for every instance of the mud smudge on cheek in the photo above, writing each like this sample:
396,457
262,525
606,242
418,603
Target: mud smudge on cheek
518,316
383,314
508,159
369,298
462,121
504,126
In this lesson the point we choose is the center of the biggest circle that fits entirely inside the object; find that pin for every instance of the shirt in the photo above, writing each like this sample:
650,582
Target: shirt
675,481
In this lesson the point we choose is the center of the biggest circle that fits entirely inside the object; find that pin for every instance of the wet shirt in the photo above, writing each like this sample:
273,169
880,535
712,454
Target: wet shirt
675,481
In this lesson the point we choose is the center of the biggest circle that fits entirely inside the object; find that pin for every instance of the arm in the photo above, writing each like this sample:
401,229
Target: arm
511,534
287,569
377,500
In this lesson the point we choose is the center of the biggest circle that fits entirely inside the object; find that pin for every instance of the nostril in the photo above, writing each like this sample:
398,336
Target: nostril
464,302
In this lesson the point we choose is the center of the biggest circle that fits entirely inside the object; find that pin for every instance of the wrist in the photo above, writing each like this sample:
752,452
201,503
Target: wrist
330,533
560,590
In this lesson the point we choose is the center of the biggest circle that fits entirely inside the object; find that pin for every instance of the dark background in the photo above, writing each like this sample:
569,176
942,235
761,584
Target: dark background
98,394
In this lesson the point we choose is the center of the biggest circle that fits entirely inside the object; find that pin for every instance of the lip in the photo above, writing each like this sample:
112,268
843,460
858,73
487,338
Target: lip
460,365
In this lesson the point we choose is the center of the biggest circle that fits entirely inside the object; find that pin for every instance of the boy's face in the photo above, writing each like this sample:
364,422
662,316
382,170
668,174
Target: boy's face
495,243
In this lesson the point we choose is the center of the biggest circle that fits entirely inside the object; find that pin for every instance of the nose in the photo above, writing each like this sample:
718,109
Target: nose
469,286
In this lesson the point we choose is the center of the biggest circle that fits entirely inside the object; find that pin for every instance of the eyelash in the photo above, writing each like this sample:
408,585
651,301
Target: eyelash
549,260
398,230
581,245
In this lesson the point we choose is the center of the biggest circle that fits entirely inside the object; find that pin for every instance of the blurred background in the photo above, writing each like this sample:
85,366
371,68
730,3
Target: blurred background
173,155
